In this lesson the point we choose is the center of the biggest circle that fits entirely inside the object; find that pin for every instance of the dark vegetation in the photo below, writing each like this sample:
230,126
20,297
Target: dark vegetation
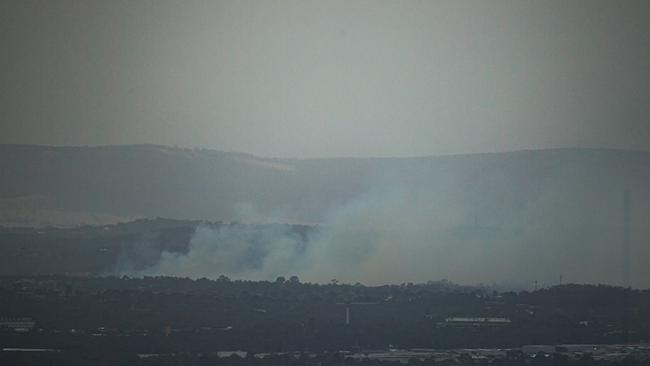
67,280
164,315
61,278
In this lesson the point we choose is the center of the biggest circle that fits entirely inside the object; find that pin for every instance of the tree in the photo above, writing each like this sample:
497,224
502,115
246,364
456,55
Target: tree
223,278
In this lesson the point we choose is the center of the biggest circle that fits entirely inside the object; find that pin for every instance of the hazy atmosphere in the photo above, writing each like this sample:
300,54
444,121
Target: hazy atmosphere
300,84
325,182
327,79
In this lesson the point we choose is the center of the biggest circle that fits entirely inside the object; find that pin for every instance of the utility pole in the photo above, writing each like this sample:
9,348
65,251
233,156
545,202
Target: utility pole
347,315
626,264
626,238
348,306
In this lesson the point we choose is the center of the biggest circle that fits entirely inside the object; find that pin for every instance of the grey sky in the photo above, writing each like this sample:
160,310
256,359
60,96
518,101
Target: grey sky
327,78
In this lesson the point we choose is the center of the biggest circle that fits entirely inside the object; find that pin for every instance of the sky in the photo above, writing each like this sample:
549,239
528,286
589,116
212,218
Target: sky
327,78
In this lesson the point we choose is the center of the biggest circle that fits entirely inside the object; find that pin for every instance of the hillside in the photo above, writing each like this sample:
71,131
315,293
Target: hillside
147,180
510,217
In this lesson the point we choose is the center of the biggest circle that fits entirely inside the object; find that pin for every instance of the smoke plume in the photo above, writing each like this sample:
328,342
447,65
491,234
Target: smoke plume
417,233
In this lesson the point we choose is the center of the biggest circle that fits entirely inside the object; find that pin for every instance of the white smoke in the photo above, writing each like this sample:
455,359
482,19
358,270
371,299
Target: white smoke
416,234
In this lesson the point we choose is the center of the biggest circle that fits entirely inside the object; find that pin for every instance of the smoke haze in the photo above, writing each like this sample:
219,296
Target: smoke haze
327,79
417,233
311,81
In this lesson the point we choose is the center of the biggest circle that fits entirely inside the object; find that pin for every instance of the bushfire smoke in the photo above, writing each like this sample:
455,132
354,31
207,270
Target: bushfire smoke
416,233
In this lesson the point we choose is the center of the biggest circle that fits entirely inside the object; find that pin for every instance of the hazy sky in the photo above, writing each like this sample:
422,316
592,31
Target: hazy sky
327,78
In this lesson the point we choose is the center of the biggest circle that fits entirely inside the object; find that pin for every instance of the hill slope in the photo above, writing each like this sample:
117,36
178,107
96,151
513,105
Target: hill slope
521,216
147,180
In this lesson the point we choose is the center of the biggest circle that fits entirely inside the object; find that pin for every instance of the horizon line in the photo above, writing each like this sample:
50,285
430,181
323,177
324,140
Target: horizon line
235,152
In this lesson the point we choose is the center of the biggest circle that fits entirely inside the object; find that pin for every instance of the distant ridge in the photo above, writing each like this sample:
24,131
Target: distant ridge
251,155
528,215
130,181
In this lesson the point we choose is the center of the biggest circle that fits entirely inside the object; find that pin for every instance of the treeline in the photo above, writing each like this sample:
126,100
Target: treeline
175,315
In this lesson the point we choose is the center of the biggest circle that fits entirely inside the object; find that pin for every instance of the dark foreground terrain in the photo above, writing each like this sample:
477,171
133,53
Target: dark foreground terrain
164,320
